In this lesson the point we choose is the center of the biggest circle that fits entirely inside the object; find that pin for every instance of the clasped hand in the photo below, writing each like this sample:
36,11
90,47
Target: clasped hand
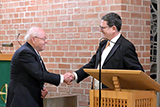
68,78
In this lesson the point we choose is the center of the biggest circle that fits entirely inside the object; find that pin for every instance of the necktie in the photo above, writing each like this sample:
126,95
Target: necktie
108,43
41,61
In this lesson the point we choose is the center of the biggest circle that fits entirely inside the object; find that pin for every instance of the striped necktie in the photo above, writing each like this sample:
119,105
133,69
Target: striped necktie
41,61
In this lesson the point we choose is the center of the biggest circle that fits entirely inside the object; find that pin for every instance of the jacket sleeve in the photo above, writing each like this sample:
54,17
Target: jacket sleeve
81,73
92,63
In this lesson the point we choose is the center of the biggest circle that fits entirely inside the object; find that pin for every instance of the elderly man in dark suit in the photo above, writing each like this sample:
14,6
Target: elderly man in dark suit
120,54
28,73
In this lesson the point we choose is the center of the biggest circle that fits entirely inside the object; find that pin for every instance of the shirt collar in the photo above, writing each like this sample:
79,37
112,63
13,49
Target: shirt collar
33,48
36,52
116,38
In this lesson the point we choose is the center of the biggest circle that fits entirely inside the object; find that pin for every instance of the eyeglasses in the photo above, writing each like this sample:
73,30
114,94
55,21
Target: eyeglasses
41,38
102,27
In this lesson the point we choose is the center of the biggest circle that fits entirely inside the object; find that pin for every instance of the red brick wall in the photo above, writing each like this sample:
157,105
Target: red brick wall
73,33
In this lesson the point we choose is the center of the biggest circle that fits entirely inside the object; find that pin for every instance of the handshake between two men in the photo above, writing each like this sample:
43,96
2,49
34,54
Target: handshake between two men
68,78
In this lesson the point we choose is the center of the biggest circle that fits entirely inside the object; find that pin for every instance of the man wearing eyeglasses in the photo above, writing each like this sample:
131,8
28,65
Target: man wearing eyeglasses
28,73
120,53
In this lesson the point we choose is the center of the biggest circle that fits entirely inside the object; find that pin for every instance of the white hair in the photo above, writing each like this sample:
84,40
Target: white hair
33,31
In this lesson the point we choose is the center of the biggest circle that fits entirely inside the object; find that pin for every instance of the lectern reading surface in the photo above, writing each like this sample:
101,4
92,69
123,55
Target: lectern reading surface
129,79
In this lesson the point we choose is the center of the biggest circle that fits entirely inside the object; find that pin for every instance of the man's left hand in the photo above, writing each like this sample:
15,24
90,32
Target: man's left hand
44,92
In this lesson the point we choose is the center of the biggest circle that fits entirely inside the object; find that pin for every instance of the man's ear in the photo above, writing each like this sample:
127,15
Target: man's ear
33,40
114,29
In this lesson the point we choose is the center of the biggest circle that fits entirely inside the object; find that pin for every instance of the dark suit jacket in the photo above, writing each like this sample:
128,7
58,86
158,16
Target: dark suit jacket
122,56
27,78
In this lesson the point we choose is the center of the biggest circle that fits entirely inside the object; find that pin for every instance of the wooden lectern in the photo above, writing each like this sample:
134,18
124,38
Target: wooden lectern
4,77
127,88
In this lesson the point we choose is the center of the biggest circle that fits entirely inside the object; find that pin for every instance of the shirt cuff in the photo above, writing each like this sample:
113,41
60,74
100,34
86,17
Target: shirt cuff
76,77
61,78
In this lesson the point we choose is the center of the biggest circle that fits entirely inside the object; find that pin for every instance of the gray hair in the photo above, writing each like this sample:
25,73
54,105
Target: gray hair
33,31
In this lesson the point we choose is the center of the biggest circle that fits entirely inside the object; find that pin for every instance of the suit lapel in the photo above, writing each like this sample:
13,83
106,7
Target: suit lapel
117,44
41,63
112,52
